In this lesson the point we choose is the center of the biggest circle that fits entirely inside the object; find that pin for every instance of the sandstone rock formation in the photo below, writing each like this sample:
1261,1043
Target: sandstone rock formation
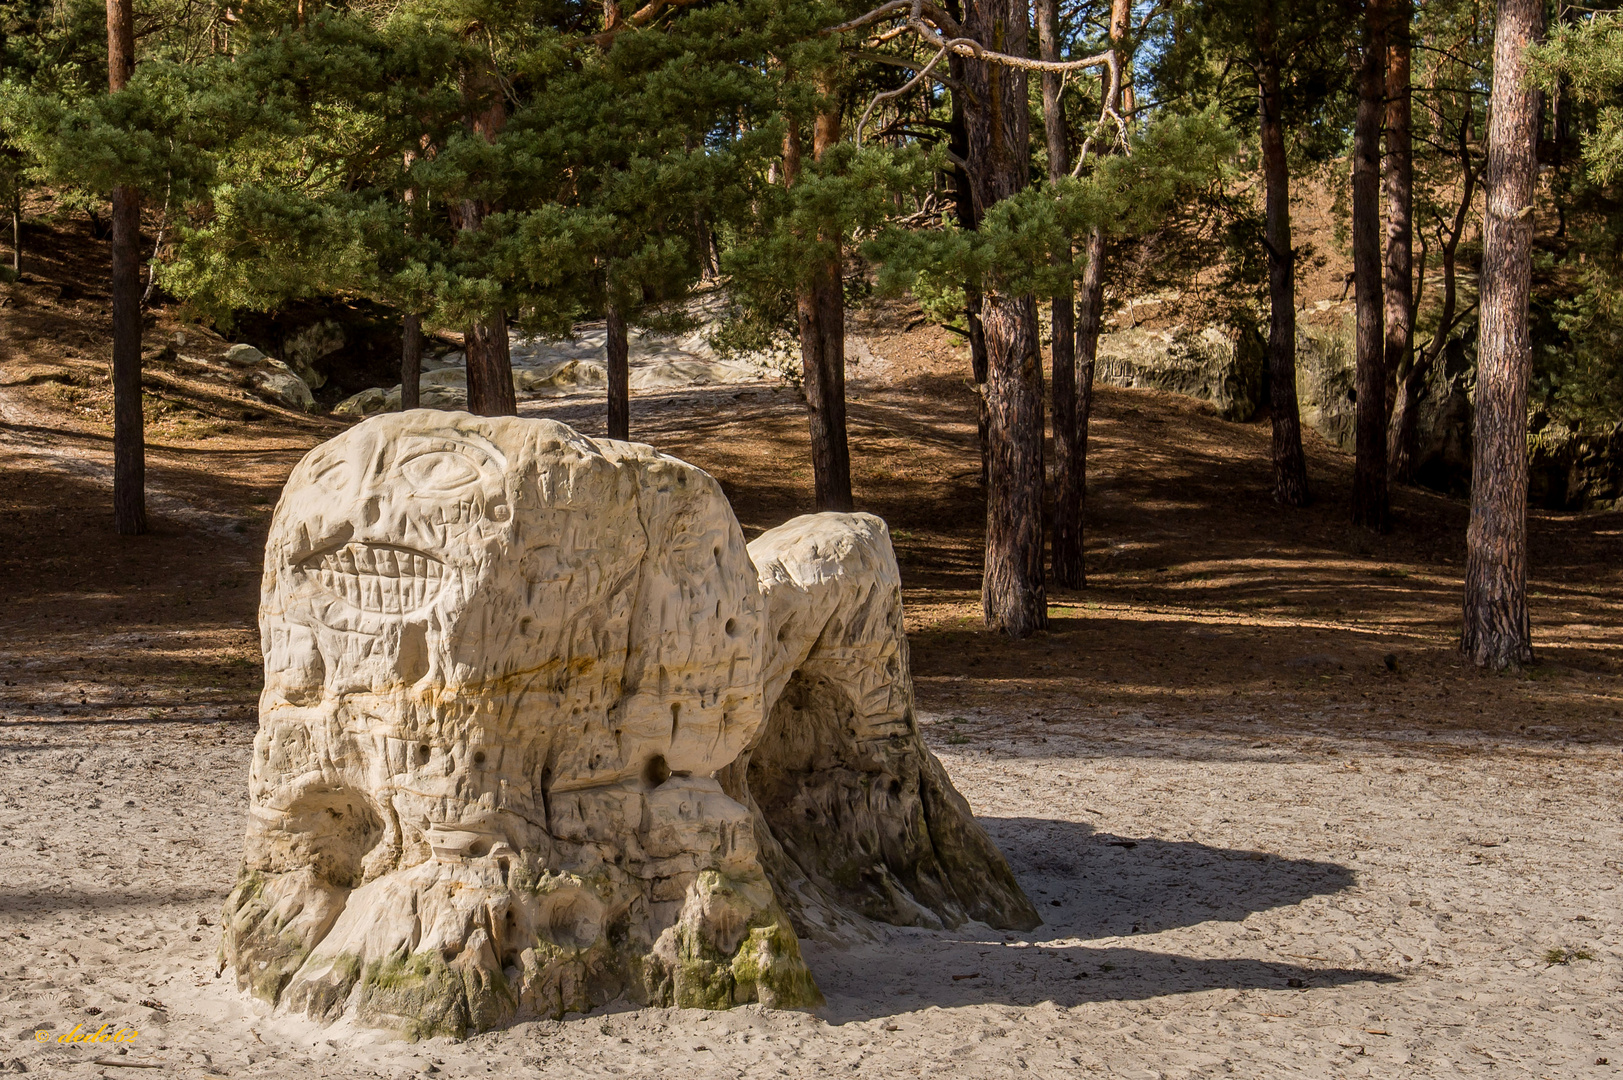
535,735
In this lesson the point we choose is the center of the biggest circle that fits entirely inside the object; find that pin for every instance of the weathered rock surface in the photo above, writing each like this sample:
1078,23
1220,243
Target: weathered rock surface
504,666
551,368
1210,363
861,815
275,381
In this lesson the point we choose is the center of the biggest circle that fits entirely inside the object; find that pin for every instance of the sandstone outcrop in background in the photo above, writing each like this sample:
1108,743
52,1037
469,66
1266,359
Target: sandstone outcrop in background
536,734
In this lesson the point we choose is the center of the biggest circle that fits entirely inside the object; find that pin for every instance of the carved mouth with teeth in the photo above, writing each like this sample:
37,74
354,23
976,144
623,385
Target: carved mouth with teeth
377,578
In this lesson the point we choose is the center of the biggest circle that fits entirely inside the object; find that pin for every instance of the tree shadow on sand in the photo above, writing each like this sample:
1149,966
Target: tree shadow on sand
1087,885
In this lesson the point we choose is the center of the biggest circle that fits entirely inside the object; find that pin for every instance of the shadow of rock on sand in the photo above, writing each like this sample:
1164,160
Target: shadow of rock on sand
915,970
1089,884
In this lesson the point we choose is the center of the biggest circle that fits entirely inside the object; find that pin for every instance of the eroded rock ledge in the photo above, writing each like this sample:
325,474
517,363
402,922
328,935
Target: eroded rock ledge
537,734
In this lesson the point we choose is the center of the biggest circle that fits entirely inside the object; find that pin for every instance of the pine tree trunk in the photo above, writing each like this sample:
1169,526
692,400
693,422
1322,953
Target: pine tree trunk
1091,295
1066,554
489,363
1290,465
1369,471
1403,436
1012,588
1090,317
964,203
490,368
411,361
618,347
820,313
129,441
977,373
1399,181
1496,632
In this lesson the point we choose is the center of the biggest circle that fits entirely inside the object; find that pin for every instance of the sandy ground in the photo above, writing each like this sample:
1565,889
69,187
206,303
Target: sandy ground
1273,824
1253,905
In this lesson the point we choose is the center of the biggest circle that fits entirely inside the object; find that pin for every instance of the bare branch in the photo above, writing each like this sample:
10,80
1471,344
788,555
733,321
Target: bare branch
923,74
946,34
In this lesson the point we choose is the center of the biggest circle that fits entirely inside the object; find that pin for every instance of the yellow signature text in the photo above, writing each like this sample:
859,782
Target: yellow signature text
80,1035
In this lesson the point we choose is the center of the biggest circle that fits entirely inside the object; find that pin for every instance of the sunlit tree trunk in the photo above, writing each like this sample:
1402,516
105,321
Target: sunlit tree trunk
1496,632
820,314
1012,588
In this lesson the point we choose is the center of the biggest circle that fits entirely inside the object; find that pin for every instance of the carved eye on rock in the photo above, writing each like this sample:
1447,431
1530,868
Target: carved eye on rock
439,472
333,475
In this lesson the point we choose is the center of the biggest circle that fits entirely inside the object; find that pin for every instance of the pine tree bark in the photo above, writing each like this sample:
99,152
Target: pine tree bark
1290,465
820,314
618,347
1399,183
411,361
129,440
1013,595
1091,295
964,204
1496,633
489,361
1370,508
1065,556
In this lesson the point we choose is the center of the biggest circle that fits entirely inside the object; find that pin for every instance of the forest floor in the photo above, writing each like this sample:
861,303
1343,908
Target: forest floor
1275,827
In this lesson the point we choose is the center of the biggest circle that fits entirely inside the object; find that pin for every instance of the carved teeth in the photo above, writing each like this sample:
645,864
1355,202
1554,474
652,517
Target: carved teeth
377,578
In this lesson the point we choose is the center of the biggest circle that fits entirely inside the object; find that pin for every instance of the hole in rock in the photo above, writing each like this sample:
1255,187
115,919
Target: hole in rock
478,848
449,952
412,663
479,758
656,772
676,716
572,919
731,628
895,788
424,753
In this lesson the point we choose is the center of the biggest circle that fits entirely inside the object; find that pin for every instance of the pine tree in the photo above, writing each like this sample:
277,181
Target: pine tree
1370,504
129,428
1496,632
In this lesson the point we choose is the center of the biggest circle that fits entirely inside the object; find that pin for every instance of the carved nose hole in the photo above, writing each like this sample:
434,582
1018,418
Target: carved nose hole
423,753
676,717
479,758
656,772
732,628
502,865
369,511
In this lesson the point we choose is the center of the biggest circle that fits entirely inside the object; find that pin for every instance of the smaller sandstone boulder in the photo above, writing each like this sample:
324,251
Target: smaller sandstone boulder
278,383
243,355
372,400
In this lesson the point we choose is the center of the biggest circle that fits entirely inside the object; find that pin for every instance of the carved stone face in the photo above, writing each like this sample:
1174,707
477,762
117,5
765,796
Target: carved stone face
503,663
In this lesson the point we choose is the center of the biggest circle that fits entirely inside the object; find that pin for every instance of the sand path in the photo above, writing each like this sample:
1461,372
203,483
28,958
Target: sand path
1217,905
